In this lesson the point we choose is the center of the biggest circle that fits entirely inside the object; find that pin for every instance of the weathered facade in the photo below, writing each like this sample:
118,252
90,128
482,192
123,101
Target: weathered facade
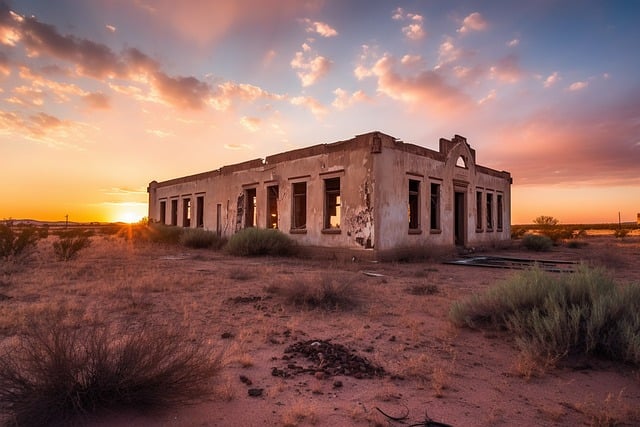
372,193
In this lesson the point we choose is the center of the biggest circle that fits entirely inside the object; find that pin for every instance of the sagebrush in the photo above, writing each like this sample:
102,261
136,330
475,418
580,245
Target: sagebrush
327,292
555,315
14,243
67,248
256,241
198,238
62,375
536,242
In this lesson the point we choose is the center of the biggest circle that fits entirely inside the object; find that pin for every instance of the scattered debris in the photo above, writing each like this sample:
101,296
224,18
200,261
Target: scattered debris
555,266
245,380
226,335
428,422
372,274
328,360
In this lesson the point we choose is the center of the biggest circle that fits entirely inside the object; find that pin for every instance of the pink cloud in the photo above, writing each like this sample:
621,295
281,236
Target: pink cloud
473,22
426,88
414,29
507,69
311,66
320,28
552,79
97,101
576,86
312,104
205,21
343,99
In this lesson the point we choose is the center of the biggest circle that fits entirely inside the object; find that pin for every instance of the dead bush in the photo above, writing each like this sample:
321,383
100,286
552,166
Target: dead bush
62,375
67,248
328,292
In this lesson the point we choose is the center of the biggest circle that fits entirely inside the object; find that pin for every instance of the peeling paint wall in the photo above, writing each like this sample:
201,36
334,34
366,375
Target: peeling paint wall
374,171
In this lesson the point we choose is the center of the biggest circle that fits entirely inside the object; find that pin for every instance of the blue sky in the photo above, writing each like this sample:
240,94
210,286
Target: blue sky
100,97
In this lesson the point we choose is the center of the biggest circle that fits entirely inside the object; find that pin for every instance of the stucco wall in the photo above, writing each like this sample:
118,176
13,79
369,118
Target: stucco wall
374,171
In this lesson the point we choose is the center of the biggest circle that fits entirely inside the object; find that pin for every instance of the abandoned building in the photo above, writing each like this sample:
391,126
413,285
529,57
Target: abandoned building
373,194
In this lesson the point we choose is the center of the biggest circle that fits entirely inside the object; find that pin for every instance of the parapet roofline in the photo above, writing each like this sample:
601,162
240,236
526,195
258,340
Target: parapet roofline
325,148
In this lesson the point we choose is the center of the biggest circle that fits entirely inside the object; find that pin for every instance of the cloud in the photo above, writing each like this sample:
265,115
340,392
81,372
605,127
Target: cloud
576,86
473,22
312,104
252,124
507,69
513,43
110,28
552,79
426,88
42,128
237,147
564,145
311,66
320,28
448,52
204,21
414,29
343,100
159,133
97,101
490,97
186,92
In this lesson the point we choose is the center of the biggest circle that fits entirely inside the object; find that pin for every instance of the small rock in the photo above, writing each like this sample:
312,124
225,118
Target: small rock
255,392
337,384
226,335
320,375
245,380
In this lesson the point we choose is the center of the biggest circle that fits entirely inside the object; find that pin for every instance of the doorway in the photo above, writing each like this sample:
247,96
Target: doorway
460,215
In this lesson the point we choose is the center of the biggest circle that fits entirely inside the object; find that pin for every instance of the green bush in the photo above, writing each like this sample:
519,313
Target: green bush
14,244
67,248
556,315
198,238
536,242
61,375
256,241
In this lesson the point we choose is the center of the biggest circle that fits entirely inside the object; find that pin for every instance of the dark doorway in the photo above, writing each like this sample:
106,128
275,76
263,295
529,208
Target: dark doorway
460,218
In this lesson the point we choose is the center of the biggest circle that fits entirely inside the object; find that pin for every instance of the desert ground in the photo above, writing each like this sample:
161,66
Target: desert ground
398,322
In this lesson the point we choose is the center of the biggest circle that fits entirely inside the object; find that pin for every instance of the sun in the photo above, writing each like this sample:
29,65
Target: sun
129,217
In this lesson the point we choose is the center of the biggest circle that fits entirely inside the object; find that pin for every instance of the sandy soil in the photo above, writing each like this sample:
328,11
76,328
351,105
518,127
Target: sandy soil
434,370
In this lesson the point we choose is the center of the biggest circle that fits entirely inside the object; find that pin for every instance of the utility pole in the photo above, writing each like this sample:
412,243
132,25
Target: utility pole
66,221
619,222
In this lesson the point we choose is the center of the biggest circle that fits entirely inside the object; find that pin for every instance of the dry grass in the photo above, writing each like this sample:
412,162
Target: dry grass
117,282
59,375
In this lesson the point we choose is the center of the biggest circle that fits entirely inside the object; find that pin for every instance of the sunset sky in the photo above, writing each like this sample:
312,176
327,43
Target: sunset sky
100,97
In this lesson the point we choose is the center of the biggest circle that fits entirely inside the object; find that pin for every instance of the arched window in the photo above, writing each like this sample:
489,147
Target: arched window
461,162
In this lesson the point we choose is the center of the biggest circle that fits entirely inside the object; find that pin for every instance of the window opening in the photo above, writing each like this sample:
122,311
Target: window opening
489,211
200,211
414,204
174,212
332,203
219,219
163,212
479,210
272,206
461,162
299,217
435,206
250,211
499,211
186,212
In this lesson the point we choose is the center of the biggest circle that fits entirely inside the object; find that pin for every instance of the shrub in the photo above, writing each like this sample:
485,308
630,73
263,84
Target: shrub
255,241
57,375
327,292
67,248
198,238
14,244
621,232
538,243
555,315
